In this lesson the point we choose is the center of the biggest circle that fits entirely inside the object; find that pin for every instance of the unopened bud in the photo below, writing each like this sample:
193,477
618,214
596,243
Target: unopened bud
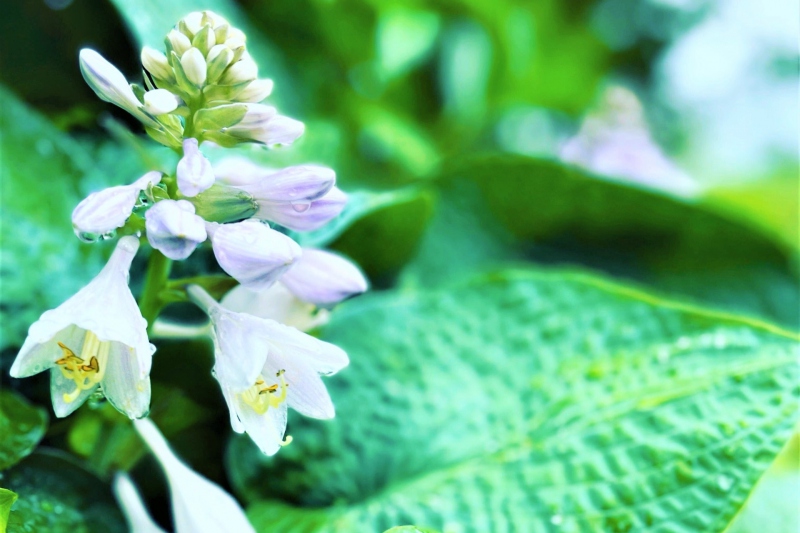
218,58
174,229
107,81
252,252
160,101
192,22
324,278
194,172
305,217
194,66
178,42
243,70
204,39
157,65
256,91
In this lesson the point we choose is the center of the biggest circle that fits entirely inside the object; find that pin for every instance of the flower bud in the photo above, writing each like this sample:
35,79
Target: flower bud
252,252
298,185
160,101
174,229
238,171
157,65
195,174
236,39
261,125
305,217
178,42
256,91
204,39
224,204
108,82
219,57
194,65
243,70
192,22
105,211
324,278
215,20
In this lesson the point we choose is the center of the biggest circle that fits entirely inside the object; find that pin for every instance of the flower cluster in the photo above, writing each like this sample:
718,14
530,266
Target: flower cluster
204,89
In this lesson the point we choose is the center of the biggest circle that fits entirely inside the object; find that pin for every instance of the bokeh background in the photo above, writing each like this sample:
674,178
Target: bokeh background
654,142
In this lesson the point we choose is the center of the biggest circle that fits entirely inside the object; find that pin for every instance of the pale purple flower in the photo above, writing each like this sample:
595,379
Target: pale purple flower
305,216
194,172
324,278
174,229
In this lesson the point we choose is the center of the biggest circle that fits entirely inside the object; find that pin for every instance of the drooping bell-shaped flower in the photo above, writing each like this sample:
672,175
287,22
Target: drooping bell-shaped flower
132,506
97,338
174,229
198,505
304,216
104,211
194,172
289,377
252,252
276,303
324,278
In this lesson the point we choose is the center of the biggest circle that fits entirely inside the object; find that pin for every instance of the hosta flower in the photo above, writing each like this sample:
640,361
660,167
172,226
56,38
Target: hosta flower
105,211
198,505
289,376
270,130
304,216
252,252
174,229
97,338
194,172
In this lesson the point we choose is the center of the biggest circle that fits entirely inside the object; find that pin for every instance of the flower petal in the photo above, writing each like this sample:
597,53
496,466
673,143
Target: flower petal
323,357
174,229
324,278
60,387
306,393
266,429
304,217
132,506
104,211
124,384
276,303
194,172
240,348
299,185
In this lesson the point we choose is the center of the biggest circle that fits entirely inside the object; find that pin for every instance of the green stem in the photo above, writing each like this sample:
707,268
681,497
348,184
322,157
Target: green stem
158,268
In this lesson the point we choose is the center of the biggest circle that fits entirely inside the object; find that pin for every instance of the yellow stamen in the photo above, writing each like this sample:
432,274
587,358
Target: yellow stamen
260,397
75,368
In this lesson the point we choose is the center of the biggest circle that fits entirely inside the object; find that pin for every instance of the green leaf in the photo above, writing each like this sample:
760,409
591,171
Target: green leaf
58,496
22,425
7,499
526,208
410,529
386,234
526,399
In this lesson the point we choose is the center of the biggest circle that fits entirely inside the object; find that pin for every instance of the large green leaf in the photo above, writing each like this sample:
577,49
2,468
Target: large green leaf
58,496
22,426
533,401
518,207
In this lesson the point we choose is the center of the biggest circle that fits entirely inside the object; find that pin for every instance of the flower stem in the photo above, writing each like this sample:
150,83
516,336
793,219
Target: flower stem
158,268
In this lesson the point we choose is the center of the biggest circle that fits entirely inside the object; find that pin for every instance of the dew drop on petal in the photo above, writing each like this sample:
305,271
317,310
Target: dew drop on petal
301,207
108,235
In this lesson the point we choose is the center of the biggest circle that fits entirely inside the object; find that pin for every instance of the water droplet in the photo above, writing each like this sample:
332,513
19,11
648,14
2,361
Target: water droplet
556,519
86,236
301,207
724,482
108,235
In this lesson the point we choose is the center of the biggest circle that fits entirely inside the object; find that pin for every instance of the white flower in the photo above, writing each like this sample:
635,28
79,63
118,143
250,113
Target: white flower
276,303
194,172
110,85
252,252
324,278
198,505
139,520
290,376
97,338
194,65
174,229
160,101
104,211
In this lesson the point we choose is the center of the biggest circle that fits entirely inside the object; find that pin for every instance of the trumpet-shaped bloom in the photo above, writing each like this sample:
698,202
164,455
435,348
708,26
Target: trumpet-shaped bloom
198,505
195,174
104,211
133,508
97,338
324,278
174,229
252,252
289,376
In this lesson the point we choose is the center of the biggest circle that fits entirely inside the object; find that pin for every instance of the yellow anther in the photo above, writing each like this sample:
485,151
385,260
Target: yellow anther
74,368
260,397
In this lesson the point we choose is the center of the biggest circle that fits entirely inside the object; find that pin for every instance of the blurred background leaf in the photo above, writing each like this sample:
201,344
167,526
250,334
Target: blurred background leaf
22,426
